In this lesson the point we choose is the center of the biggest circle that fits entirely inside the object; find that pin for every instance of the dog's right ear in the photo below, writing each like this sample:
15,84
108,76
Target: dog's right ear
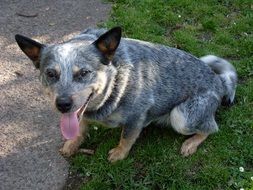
30,47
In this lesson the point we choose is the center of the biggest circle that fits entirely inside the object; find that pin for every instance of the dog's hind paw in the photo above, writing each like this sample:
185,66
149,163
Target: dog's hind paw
188,149
117,153
190,145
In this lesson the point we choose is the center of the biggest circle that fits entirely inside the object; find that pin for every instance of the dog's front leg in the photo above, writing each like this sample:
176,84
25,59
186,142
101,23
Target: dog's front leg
127,139
70,147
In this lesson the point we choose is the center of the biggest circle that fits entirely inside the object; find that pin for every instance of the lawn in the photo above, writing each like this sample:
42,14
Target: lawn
223,28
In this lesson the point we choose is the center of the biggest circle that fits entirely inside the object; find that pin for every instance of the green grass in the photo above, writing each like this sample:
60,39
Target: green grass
223,28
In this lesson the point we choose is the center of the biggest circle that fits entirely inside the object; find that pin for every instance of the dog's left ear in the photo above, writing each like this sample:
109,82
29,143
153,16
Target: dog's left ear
30,47
108,43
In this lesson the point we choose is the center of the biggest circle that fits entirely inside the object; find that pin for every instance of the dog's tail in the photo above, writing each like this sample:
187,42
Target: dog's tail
227,73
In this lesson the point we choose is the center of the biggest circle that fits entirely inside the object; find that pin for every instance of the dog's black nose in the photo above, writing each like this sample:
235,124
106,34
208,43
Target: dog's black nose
64,104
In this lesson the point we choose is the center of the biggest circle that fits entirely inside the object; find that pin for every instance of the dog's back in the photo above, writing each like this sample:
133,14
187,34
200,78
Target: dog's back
160,76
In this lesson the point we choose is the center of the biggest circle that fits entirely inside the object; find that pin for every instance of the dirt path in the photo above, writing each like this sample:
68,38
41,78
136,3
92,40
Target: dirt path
29,132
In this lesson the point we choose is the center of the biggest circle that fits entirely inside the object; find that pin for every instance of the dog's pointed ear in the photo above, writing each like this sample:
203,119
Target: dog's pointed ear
108,43
30,47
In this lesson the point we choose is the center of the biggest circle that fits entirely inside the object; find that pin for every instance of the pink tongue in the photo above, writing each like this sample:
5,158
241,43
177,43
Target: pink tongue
69,125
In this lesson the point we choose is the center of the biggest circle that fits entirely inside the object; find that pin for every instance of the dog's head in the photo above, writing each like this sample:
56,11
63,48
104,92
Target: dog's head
75,72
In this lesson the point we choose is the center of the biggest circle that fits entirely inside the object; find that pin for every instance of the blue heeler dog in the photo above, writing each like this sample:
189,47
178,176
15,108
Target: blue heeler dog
129,83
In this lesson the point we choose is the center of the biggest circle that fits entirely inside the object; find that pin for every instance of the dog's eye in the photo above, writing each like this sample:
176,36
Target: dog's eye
83,72
51,74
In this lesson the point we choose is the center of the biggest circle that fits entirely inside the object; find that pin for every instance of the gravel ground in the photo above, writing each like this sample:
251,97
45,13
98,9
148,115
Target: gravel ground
29,129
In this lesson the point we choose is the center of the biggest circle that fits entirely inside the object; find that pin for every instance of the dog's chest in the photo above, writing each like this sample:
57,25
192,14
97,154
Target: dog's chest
113,120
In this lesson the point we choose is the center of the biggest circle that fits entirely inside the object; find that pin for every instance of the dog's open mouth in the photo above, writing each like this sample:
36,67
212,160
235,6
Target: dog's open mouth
70,121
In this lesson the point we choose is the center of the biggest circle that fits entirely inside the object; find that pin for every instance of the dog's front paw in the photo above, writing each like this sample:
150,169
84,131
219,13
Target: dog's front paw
118,153
69,148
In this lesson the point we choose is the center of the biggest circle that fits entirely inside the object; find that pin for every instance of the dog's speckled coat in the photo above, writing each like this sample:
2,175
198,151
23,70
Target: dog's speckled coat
133,83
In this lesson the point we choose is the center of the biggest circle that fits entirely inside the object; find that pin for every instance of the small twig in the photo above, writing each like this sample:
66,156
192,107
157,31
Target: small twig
87,151
26,15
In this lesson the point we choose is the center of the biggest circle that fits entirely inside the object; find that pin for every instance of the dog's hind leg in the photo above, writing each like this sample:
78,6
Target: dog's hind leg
207,127
195,117
70,147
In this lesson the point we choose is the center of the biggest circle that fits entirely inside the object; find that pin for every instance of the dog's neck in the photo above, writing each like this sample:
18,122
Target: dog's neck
111,96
